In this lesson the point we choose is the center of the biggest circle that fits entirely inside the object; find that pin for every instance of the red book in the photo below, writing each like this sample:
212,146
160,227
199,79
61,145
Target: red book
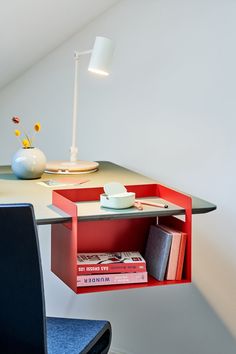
174,252
181,256
105,263
111,279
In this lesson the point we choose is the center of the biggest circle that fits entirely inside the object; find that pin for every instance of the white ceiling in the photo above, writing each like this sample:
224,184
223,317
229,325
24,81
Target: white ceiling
30,29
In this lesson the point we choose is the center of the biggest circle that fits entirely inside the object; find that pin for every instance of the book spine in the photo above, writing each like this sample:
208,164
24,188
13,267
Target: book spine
164,260
86,269
111,279
181,257
173,258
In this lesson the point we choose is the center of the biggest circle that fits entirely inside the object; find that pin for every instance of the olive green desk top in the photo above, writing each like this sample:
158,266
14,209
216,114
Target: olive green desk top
13,190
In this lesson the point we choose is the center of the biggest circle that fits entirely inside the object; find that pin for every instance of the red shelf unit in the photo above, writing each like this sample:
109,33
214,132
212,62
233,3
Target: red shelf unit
111,235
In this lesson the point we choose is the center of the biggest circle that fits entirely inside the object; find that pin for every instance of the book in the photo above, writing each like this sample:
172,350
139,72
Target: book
157,251
174,252
104,263
181,256
111,279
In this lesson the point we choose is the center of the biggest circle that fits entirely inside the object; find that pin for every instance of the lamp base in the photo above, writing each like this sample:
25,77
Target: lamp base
67,167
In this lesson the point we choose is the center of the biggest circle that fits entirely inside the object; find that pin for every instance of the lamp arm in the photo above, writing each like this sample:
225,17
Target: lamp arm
74,149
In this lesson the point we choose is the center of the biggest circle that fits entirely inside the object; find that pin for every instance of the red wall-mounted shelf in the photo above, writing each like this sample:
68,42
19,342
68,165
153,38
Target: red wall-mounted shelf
113,233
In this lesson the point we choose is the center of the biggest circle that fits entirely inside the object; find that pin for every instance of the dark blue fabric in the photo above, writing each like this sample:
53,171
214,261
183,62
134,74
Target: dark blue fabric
73,336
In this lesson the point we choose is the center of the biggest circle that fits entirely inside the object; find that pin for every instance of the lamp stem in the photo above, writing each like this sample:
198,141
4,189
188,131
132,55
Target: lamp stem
74,149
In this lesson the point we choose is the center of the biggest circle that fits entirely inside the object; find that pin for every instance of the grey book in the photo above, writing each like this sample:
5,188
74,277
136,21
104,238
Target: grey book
157,251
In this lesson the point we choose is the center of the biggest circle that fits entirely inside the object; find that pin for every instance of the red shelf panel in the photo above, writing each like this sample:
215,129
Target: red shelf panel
111,235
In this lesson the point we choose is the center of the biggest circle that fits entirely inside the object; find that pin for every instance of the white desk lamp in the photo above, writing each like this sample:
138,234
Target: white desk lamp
100,62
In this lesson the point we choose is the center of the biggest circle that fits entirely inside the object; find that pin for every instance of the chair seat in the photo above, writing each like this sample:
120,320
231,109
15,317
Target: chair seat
73,336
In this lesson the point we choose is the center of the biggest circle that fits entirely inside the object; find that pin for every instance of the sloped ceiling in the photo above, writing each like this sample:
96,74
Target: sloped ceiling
30,29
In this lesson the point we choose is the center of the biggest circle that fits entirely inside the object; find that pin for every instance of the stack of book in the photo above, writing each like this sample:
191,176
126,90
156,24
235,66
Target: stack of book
95,269
164,254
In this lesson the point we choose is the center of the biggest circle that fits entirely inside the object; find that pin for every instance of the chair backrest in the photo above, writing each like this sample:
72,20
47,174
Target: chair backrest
22,313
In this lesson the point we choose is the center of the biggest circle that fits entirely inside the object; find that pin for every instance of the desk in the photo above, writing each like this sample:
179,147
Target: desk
13,190
97,230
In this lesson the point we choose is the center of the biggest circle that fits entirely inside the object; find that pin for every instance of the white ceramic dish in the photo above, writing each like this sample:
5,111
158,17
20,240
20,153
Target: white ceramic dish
116,196
118,201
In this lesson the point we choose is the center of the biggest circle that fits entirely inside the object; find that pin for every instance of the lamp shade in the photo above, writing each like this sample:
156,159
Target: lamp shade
101,56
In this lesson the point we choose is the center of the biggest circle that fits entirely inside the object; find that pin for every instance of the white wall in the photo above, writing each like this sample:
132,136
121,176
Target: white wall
168,111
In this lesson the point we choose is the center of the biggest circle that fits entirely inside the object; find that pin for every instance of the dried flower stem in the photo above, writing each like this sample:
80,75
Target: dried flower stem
27,142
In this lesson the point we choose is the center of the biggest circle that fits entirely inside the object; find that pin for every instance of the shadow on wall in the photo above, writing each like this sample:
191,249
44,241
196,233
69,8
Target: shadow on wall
214,266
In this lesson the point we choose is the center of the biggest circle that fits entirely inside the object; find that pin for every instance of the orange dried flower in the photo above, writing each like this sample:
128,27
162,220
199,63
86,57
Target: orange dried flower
17,132
26,143
37,127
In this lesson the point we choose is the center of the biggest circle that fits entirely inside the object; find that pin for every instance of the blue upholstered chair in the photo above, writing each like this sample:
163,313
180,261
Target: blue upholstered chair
24,328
